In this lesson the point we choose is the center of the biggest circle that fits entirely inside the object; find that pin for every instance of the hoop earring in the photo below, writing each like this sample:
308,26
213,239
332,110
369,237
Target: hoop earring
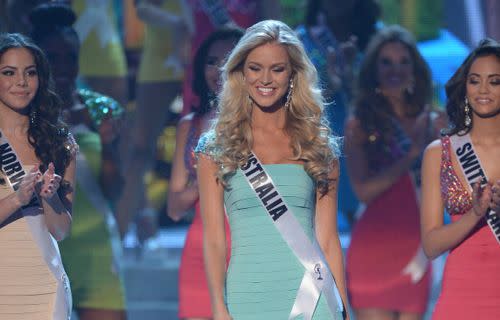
289,95
468,119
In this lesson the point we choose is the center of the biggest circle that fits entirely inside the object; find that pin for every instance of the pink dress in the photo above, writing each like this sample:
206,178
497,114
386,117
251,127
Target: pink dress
471,278
386,240
194,296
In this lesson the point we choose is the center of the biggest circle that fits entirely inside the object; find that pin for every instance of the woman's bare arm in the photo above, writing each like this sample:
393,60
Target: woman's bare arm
57,210
366,185
21,197
214,236
327,234
437,237
182,194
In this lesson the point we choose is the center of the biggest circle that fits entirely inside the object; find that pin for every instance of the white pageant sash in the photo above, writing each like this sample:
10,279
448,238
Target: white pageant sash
85,179
317,277
13,169
473,172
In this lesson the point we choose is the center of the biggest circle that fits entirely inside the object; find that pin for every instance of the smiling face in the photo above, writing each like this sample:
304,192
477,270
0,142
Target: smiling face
483,86
267,72
394,67
18,79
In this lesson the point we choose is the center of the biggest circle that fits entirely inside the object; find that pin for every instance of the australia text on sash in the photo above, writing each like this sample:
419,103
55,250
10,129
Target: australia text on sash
266,191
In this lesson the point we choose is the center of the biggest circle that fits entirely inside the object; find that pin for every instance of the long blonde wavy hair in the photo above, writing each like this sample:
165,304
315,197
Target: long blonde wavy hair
310,136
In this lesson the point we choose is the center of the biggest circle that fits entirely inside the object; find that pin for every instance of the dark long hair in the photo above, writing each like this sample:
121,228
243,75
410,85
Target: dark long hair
374,110
364,15
46,133
456,86
53,18
199,85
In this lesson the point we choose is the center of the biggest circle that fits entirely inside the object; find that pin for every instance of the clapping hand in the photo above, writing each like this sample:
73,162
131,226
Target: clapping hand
439,121
49,183
495,197
481,198
27,186
349,50
109,130
418,135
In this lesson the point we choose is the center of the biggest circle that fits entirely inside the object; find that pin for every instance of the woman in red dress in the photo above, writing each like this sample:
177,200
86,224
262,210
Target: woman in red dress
471,279
387,273
194,298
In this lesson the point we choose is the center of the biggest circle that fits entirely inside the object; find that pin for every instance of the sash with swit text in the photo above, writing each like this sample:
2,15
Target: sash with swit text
14,173
317,278
474,172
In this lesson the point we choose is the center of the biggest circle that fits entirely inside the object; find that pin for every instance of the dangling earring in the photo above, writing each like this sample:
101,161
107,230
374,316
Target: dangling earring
468,120
289,95
33,117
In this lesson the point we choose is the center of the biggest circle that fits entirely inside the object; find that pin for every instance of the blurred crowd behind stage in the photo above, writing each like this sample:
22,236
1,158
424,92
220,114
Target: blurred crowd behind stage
138,56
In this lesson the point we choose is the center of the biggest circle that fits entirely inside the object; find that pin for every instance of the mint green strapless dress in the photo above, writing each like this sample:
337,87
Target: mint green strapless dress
264,275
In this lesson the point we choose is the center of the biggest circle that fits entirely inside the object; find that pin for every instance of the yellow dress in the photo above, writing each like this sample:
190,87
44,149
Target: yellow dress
29,289
88,252
101,51
158,50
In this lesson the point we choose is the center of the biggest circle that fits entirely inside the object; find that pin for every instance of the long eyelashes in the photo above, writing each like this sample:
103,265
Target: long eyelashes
30,73
495,82
252,68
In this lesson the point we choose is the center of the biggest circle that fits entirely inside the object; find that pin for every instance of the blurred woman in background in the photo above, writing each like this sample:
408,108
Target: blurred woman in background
387,273
92,253
194,298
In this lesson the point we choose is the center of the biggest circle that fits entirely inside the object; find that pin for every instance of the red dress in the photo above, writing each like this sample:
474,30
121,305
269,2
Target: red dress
385,240
194,296
471,278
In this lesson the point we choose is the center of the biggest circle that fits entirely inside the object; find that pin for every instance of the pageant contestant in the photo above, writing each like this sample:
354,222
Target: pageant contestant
387,272
194,297
271,162
91,254
460,173
34,207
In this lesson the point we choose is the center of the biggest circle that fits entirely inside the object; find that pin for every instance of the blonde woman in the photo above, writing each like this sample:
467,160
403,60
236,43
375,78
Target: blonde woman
282,210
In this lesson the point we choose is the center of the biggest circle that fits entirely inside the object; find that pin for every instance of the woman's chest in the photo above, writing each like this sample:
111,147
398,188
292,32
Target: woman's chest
14,149
271,150
483,160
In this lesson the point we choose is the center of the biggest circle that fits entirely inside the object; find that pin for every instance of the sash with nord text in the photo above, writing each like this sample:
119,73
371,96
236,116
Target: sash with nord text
473,172
14,173
317,277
